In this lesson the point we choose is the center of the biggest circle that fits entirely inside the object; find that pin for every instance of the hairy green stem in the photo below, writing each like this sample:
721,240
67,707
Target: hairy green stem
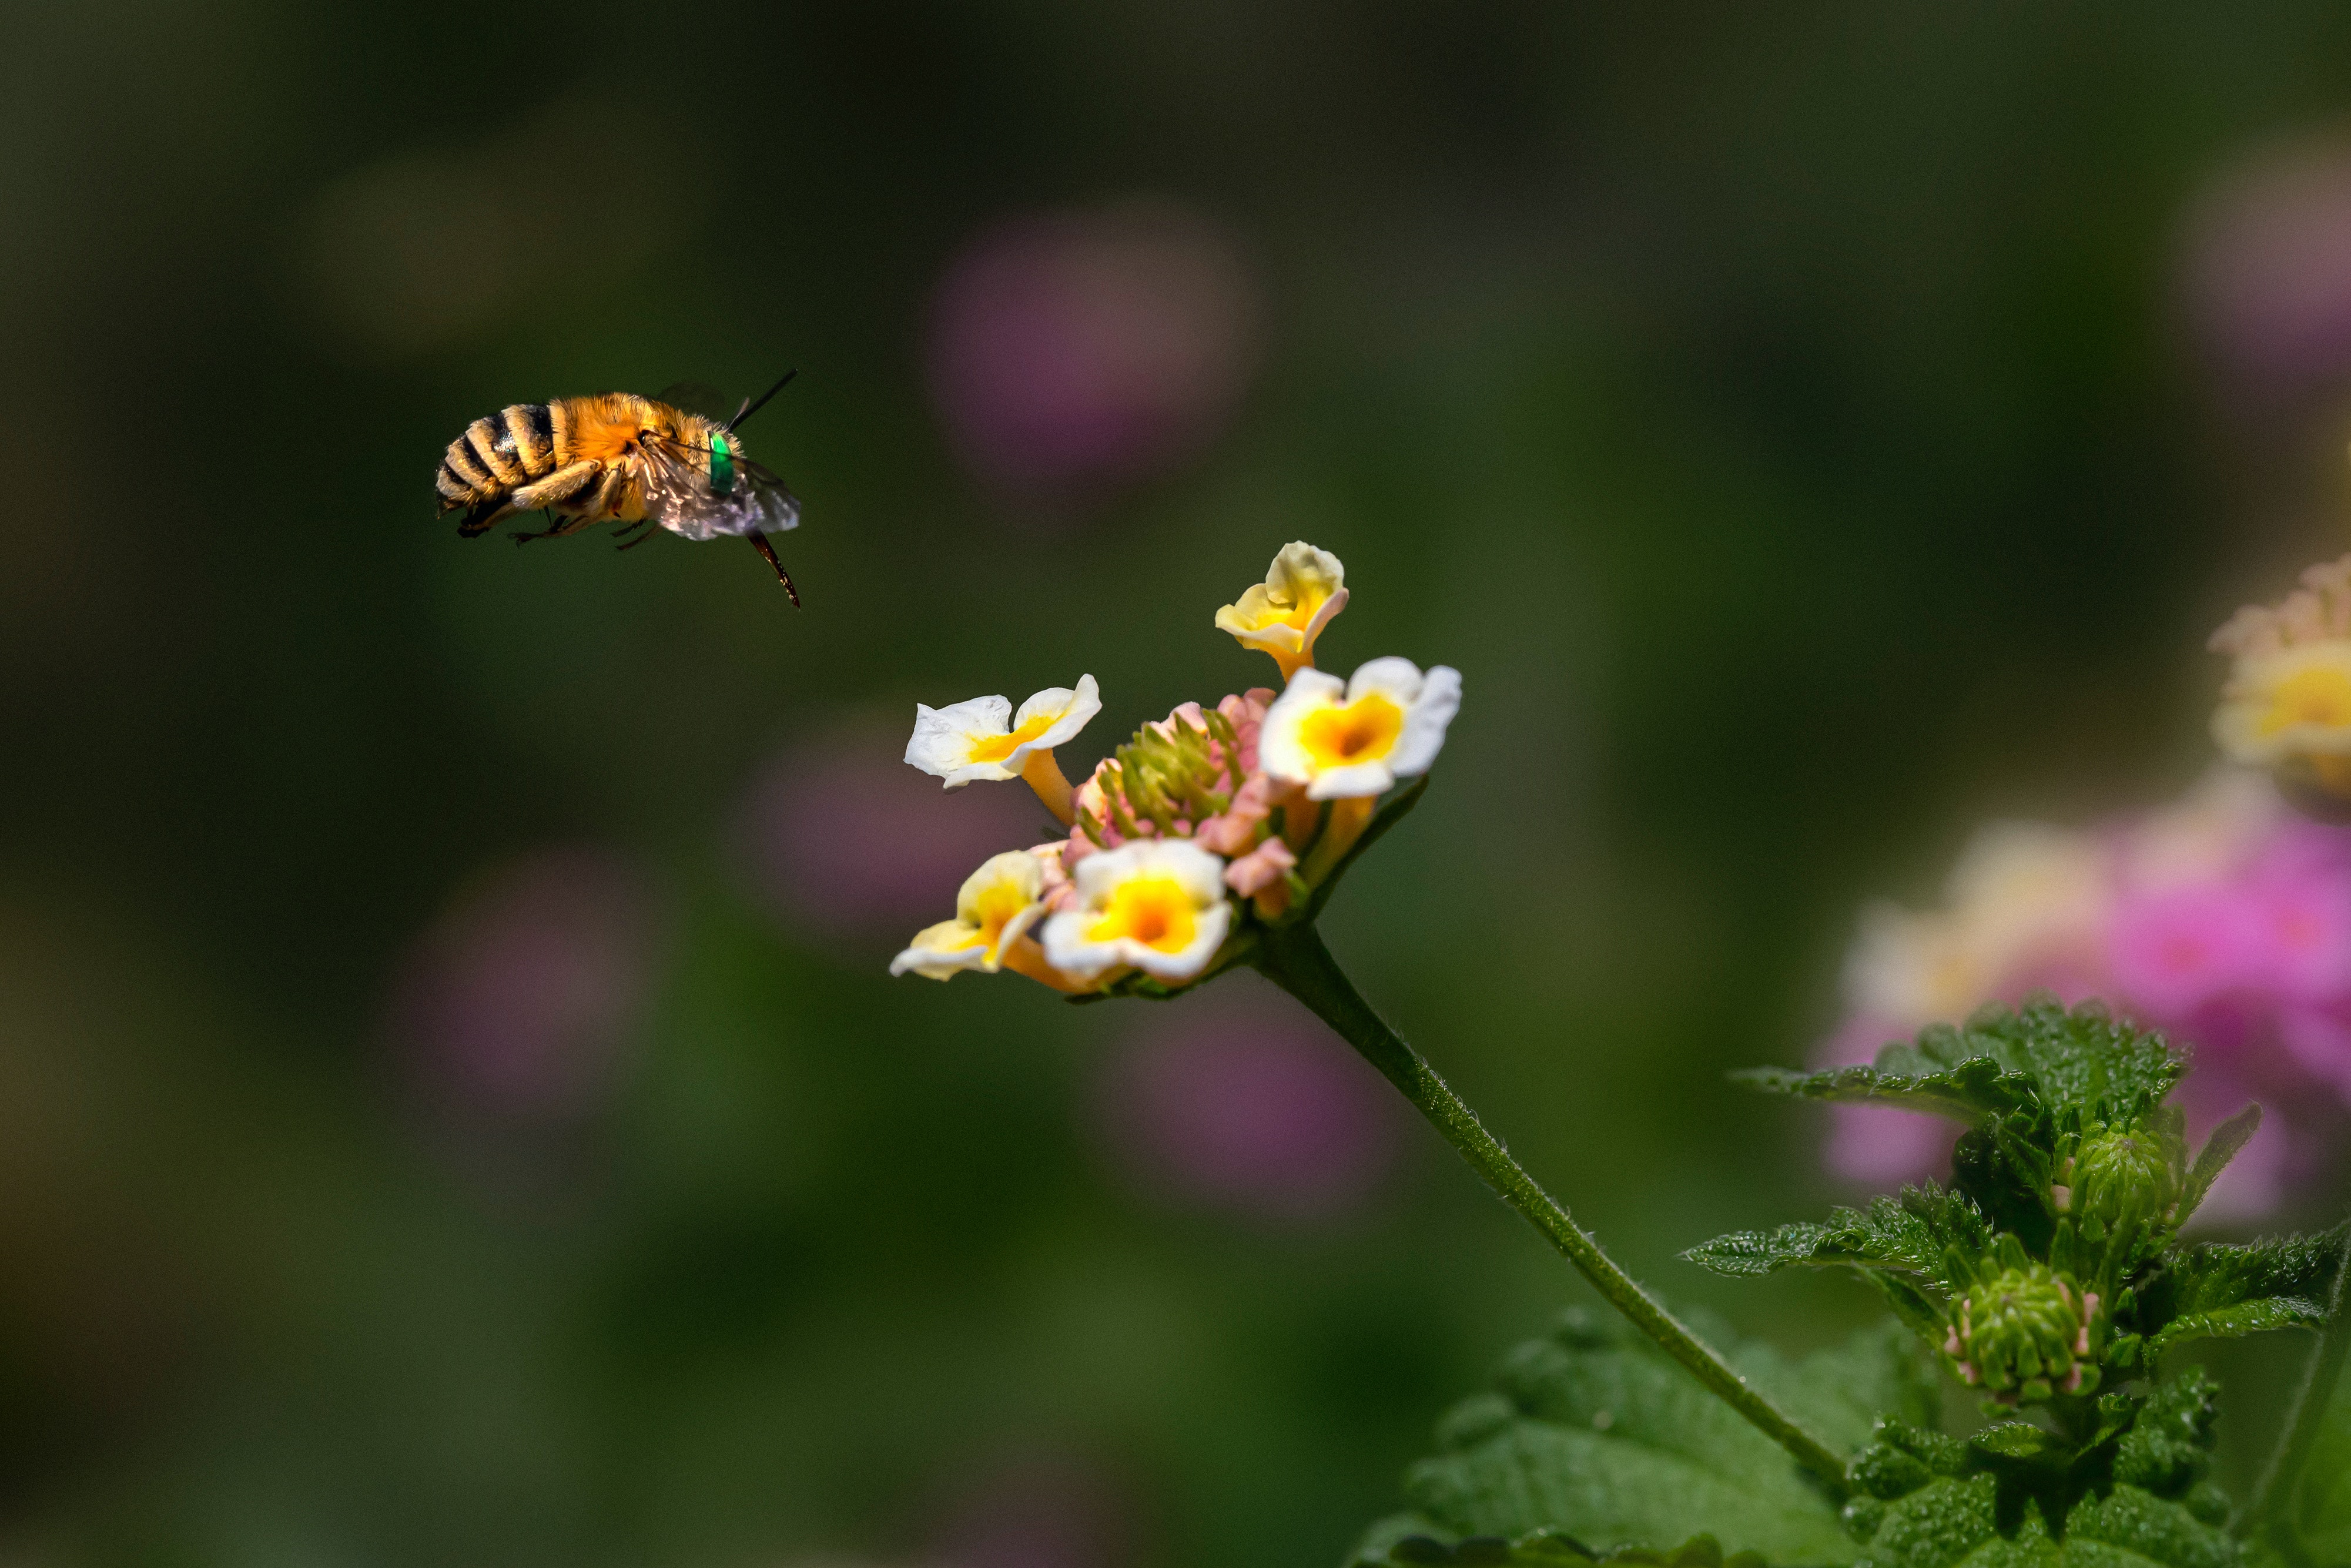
1295,958
2270,1514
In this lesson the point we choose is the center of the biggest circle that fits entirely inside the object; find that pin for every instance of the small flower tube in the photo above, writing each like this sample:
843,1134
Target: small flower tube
984,738
995,908
1303,590
1154,904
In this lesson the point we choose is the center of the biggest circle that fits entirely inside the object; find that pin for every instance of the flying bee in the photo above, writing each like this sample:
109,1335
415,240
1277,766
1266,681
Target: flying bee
617,457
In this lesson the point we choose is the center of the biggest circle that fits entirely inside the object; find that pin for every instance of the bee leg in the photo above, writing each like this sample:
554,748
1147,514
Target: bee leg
563,525
767,553
483,516
633,543
559,486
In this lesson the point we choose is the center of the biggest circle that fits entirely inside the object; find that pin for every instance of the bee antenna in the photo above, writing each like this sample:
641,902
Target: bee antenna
751,406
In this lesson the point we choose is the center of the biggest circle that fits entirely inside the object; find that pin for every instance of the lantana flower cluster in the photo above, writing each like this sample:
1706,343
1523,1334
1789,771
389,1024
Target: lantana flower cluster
2287,706
1208,826
2223,920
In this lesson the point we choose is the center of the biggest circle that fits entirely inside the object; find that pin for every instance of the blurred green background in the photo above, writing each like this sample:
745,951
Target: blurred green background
451,1106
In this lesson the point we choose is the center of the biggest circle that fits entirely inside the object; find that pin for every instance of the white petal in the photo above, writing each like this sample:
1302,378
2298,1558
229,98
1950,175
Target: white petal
1189,866
1398,680
1425,722
941,744
1356,779
941,951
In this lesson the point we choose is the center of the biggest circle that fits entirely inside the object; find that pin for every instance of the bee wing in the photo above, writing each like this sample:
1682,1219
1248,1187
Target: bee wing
697,397
682,494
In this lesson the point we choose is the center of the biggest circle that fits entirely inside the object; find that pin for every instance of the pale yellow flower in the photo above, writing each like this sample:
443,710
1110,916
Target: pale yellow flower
1154,904
1358,736
2292,705
996,904
1303,589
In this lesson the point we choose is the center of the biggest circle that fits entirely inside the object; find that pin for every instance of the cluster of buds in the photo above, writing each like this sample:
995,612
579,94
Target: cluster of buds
1206,825
2025,1334
2287,706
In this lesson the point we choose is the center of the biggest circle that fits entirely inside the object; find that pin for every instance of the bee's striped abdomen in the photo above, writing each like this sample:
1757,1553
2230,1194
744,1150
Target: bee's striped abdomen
496,454
530,432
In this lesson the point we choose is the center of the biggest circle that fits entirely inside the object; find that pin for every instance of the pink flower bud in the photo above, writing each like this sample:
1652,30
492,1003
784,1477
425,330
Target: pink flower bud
1259,868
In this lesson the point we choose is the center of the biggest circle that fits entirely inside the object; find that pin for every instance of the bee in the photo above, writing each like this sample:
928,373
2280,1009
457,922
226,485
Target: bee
617,457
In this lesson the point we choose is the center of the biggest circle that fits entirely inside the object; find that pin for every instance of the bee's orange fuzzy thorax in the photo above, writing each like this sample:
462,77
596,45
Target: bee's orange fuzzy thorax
604,428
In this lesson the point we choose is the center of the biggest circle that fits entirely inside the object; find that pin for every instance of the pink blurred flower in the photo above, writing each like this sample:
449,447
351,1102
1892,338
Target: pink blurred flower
1246,1103
1075,348
844,841
2174,951
2267,270
2302,916
519,999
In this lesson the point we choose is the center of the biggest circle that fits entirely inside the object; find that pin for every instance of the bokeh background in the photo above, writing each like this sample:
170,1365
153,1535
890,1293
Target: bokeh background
451,1106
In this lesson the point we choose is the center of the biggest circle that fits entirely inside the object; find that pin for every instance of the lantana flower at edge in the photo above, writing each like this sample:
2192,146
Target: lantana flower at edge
983,739
2287,706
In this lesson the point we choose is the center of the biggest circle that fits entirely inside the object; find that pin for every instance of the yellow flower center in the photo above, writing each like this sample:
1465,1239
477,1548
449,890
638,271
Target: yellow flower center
2321,696
997,748
997,906
1364,731
1295,615
1155,911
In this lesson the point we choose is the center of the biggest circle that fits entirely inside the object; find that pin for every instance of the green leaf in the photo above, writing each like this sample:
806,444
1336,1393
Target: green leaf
1974,1093
1591,1433
2224,1290
1909,1234
2230,1137
2040,1058
2244,1318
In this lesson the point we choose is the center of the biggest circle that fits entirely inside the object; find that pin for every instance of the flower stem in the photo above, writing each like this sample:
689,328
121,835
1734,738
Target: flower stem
1295,958
2270,1514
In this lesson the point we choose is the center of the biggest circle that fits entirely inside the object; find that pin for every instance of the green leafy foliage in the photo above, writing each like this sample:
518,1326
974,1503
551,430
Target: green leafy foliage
2015,1494
1592,1447
2073,1178
1592,1435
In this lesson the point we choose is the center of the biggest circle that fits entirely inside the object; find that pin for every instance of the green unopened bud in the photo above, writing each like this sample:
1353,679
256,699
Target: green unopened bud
2121,1176
2026,1334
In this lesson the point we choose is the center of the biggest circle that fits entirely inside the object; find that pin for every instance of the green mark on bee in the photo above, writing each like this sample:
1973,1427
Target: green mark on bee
722,467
